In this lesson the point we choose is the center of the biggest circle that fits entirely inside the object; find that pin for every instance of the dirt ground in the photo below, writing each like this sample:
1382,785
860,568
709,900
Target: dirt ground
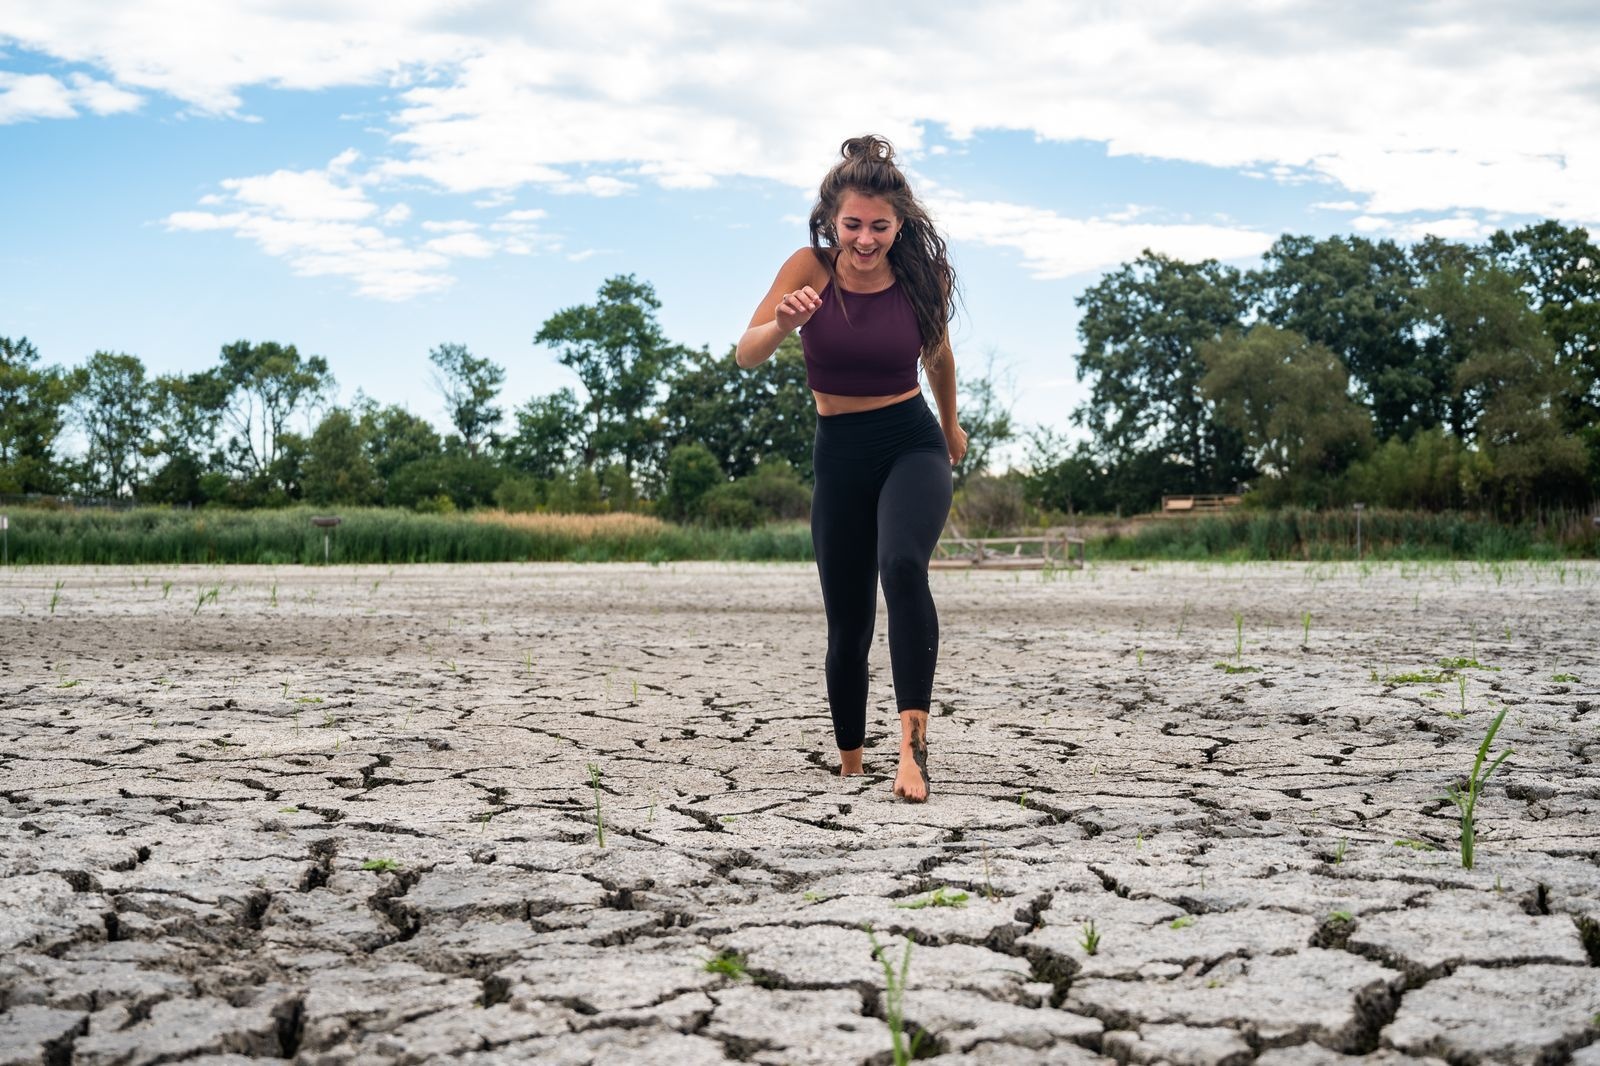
348,815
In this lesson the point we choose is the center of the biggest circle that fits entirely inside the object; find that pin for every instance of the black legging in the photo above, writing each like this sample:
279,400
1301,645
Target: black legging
881,498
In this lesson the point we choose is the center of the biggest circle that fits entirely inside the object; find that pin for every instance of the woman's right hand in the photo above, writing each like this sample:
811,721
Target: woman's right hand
797,307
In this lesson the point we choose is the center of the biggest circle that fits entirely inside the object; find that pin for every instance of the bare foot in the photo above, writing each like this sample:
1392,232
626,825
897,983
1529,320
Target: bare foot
911,779
850,763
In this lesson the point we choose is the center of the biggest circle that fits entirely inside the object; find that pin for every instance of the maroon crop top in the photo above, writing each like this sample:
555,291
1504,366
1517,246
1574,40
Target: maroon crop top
874,353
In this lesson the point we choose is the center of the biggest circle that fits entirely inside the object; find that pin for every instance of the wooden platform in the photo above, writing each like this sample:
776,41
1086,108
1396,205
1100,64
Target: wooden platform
1193,506
1056,548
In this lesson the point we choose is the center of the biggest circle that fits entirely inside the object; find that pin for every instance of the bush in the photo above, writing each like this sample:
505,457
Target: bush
730,505
990,505
692,471
777,491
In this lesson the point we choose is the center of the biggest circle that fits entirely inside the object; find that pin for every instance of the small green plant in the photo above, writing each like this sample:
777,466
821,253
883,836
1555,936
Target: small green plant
1230,668
636,691
308,699
1466,800
1341,916
1238,637
987,885
55,595
1090,940
1564,678
1182,923
381,866
728,963
1022,800
272,597
203,597
1305,629
812,896
1139,654
1416,677
939,897
894,995
1338,853
527,663
1465,662
1415,845
599,821
288,810
1461,685
1183,616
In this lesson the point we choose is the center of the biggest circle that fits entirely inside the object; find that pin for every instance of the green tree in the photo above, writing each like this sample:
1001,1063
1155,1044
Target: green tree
1511,388
33,407
548,429
267,384
396,439
692,471
1146,415
186,410
623,360
112,403
985,417
1289,399
1063,475
1559,268
469,385
337,466
743,416
1359,299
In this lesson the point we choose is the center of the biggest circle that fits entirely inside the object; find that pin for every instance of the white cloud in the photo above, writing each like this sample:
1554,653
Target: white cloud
303,194
457,226
34,96
316,221
596,185
467,245
1054,246
1457,228
397,214
1406,110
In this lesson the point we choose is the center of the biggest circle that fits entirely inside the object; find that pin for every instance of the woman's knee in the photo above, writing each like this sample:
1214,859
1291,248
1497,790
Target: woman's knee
902,572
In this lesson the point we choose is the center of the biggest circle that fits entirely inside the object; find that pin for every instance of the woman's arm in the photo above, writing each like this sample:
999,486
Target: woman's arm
788,305
941,367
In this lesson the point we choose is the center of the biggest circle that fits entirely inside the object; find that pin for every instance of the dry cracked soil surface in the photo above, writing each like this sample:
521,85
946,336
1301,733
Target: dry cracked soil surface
349,815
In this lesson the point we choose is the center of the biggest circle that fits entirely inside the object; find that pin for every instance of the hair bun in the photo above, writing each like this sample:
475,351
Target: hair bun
869,146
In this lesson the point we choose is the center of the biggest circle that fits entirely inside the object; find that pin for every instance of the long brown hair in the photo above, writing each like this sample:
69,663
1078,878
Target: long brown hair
919,258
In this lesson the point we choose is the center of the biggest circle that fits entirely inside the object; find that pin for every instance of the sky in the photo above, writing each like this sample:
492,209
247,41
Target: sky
368,179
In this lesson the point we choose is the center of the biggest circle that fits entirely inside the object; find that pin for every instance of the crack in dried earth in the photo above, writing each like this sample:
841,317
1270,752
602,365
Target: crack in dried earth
352,820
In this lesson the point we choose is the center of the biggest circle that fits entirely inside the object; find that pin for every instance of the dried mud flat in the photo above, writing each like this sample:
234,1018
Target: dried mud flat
346,815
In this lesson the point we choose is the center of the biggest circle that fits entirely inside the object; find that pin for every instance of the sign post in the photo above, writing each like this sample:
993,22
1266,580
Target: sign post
326,524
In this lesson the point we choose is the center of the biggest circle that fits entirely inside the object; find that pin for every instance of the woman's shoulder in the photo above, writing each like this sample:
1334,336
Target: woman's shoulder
806,267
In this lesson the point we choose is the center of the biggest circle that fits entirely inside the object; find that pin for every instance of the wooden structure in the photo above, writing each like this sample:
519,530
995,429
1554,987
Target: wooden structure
1196,506
1057,548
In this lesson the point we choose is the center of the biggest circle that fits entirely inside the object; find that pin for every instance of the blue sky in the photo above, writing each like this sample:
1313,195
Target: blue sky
367,180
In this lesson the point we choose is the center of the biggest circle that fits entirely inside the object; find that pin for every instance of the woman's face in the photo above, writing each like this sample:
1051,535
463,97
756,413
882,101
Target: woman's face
867,226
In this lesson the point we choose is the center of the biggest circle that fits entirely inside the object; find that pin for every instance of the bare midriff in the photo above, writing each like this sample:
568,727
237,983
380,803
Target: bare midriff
830,404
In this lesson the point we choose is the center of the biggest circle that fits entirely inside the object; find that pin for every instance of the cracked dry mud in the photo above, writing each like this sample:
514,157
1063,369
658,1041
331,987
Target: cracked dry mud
197,796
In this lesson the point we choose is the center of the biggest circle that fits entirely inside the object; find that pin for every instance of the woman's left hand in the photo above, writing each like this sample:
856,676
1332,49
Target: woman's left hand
955,439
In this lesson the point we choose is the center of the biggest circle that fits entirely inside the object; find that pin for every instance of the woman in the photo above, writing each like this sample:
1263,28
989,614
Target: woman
871,297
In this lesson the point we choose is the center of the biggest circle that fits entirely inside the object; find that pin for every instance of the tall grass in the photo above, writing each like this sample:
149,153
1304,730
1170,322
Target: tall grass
1323,536
378,535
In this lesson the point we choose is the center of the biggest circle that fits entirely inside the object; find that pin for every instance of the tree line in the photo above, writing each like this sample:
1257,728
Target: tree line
1440,376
